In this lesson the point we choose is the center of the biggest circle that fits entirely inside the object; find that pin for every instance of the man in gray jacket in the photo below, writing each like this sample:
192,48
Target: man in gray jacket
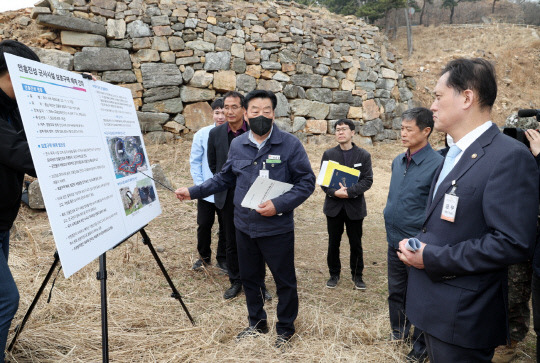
412,173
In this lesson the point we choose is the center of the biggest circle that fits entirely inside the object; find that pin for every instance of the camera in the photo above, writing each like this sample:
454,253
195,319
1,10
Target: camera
518,133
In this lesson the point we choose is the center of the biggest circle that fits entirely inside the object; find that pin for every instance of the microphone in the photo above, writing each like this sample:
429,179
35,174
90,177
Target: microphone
528,113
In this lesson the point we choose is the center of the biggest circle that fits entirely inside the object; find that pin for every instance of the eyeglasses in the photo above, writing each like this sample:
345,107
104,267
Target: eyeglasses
232,108
344,129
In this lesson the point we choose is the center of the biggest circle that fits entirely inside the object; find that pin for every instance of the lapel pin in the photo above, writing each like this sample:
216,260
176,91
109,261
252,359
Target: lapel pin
473,156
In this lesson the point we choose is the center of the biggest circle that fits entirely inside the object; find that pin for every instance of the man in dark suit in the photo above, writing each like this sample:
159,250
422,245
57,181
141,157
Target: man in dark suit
480,218
219,141
346,206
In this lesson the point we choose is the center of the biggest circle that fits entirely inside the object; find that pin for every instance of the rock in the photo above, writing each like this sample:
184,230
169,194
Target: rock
37,10
201,79
104,4
191,23
35,198
173,105
24,21
71,23
223,43
237,50
160,20
355,113
138,29
254,71
342,97
319,110
301,107
150,121
307,80
385,83
245,83
282,109
162,30
321,69
388,73
122,44
318,127
187,60
281,77
287,56
371,110
200,45
158,137
338,111
366,86
271,65
174,127
253,57
347,85
224,81
299,123
161,93
330,82
146,55
188,74
191,94
176,43
217,61
363,141
116,28
198,115
284,123
55,58
405,94
161,44
156,75
101,59
372,128
238,65
119,77
319,94
142,43
270,85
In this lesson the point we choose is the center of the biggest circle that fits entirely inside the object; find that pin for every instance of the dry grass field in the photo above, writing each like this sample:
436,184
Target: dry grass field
339,325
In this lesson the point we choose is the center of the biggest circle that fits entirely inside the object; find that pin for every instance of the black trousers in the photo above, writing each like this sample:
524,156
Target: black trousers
278,253
335,227
227,217
206,213
398,274
536,311
442,352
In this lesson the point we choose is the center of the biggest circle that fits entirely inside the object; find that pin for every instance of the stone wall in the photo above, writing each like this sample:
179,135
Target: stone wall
177,56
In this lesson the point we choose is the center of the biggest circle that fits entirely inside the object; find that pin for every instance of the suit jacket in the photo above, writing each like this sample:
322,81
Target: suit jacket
355,205
218,151
461,295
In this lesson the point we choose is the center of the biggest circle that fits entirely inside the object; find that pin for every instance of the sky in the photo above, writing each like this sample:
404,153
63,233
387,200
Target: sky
16,4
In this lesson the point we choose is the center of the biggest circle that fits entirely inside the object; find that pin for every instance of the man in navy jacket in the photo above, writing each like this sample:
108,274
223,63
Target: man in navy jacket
265,234
481,217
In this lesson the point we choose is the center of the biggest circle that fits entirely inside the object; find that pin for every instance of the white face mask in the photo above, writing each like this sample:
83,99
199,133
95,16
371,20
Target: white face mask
449,140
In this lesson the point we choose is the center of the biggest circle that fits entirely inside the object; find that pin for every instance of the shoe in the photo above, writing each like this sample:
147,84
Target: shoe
222,266
416,357
332,282
233,291
505,353
199,265
359,283
253,331
267,296
282,341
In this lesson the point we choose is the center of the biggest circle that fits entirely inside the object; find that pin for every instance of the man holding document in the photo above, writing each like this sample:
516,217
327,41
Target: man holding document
345,205
265,234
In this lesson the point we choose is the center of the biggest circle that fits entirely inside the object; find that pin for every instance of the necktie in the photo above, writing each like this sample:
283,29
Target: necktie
448,165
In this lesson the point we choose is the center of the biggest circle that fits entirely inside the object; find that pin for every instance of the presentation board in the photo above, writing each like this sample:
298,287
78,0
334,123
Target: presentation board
89,157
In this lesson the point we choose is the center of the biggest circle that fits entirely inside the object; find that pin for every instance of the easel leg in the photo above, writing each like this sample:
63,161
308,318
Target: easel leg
20,327
102,276
175,294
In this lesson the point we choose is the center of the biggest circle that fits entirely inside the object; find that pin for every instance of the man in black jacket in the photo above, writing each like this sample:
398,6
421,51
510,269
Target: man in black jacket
346,206
15,161
219,141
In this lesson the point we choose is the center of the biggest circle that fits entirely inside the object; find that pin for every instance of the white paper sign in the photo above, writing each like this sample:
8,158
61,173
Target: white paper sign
264,189
88,153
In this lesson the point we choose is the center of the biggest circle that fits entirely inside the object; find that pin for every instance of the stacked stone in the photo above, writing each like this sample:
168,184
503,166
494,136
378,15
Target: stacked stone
176,56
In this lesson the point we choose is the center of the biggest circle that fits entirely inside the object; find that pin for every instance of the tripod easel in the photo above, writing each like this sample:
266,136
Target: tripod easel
102,277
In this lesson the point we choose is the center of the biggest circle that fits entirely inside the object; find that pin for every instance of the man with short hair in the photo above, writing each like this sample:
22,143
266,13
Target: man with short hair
265,234
206,209
219,141
346,206
480,218
15,161
412,173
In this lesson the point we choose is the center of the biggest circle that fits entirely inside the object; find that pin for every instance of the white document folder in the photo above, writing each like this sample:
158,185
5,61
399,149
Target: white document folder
264,189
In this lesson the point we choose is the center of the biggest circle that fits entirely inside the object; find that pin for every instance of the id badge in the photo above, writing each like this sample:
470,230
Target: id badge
264,173
449,207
